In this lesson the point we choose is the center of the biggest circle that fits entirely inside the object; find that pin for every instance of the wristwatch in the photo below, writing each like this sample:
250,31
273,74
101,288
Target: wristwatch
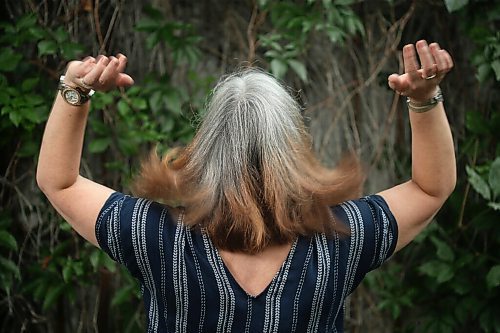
74,96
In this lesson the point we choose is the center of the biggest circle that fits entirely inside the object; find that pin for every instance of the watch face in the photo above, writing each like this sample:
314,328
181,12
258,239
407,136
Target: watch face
71,96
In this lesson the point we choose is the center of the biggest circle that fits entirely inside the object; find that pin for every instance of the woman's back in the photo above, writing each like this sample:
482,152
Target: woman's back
189,285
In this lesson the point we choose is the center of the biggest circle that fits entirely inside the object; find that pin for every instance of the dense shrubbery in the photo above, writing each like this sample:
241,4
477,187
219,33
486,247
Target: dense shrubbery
446,281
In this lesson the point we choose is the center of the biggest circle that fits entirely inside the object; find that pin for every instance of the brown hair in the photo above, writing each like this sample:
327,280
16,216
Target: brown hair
249,178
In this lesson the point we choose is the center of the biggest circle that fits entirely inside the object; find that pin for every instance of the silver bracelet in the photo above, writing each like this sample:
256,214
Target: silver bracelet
427,105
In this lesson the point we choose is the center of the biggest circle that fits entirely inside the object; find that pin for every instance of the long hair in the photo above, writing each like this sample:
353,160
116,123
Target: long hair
249,177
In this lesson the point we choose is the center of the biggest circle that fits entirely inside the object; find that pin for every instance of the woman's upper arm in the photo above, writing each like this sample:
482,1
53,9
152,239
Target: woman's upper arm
80,205
412,208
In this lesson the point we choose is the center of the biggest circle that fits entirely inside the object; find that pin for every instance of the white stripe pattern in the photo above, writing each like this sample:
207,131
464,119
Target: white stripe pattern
335,272
139,242
129,228
300,286
226,294
200,282
163,270
180,277
321,281
249,314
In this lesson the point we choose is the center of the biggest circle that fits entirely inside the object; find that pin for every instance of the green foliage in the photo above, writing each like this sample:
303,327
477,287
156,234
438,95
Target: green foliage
294,24
453,5
178,36
454,265
122,125
446,281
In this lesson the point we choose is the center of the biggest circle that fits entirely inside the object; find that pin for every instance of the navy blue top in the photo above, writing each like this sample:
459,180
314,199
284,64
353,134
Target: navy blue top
187,288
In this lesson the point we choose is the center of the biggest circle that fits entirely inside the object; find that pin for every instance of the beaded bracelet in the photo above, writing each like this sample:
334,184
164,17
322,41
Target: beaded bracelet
427,105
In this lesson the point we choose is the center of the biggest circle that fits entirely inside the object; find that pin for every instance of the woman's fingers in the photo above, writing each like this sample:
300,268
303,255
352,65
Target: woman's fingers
93,76
410,60
108,76
100,73
425,66
427,61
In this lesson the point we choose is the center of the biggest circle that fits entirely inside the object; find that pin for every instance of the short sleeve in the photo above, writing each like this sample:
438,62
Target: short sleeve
373,237
128,230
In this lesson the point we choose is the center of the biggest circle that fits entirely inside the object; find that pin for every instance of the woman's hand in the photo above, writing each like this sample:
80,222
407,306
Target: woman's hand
100,74
419,82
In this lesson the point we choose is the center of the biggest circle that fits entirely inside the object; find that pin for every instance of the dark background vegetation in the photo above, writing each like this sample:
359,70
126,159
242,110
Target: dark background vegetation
336,55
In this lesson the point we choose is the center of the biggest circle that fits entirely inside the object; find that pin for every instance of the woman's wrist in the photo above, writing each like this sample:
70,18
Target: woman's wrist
420,106
72,93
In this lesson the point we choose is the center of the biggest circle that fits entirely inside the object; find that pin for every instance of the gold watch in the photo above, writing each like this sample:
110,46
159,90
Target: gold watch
73,96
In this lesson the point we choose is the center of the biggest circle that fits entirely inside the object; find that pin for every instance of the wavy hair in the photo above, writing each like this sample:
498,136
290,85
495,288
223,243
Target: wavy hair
249,177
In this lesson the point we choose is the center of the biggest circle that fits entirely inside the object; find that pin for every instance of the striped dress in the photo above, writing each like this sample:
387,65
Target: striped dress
187,288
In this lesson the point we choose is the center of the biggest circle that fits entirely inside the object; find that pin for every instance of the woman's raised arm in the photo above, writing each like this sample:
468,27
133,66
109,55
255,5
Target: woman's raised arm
415,202
77,199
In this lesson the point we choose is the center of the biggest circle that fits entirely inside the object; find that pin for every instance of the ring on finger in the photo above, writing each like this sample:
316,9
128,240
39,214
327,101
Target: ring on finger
83,84
430,77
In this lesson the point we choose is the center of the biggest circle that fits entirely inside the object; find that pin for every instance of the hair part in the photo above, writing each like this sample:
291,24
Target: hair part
249,177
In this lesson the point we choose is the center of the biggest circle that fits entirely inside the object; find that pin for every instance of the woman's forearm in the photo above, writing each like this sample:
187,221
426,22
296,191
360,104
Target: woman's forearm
433,155
60,153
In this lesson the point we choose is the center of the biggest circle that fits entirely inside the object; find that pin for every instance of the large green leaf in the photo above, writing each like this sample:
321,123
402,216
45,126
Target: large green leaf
46,47
444,252
298,68
9,265
9,59
493,277
494,177
478,183
52,295
453,5
7,240
99,145
278,67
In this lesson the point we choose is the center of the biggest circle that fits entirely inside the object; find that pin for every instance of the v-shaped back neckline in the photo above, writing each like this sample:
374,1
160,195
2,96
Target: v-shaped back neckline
234,284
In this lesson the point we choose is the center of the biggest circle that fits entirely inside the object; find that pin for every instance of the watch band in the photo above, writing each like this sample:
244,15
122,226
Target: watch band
73,95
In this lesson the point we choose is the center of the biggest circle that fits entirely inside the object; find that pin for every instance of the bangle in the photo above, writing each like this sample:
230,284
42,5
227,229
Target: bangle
426,105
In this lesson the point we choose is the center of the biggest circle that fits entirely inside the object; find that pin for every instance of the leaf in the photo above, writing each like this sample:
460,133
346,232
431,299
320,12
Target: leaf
495,65
139,103
9,59
123,295
439,270
9,265
52,295
99,145
7,240
15,117
123,108
29,84
71,50
343,2
109,263
298,68
483,72
47,47
67,272
476,123
61,35
494,205
478,183
454,5
95,258
444,252
155,101
494,177
493,277
278,68
173,101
